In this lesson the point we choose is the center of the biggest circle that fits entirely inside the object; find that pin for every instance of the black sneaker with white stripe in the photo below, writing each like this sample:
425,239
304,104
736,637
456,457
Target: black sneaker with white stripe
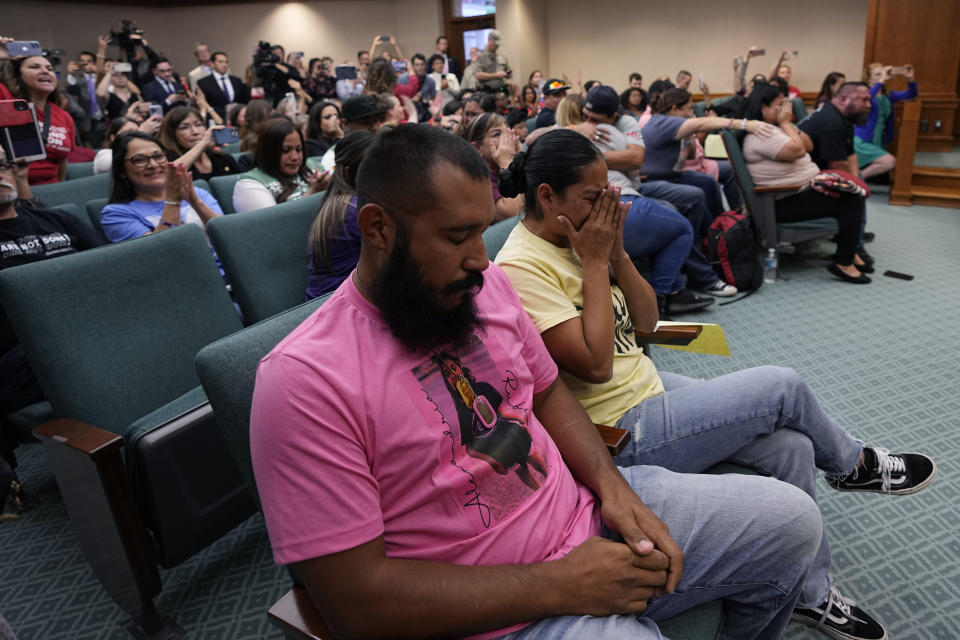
840,617
884,472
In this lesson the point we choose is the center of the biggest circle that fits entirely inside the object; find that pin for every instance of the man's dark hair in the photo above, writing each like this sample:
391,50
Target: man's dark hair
558,158
683,73
87,53
418,56
121,189
397,172
516,116
432,59
452,107
489,104
360,53
159,61
476,97
589,84
850,87
635,76
213,56
780,84
439,38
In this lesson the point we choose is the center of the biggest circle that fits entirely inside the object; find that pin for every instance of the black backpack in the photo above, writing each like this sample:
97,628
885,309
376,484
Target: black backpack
733,248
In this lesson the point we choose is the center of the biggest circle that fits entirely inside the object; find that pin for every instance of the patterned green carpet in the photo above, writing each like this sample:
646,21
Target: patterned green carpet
882,359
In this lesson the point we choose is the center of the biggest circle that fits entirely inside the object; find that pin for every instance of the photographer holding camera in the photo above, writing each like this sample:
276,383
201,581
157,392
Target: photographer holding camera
272,74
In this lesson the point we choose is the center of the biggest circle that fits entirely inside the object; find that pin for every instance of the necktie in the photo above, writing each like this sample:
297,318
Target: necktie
446,64
226,88
92,92
168,87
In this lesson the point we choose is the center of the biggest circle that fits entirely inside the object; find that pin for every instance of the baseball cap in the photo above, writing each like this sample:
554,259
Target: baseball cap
603,100
359,107
554,85
495,36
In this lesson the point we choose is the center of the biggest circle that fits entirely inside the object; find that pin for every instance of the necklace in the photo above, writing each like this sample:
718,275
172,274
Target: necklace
362,289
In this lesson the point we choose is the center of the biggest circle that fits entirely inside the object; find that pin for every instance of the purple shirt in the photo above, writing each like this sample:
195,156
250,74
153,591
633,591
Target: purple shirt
343,254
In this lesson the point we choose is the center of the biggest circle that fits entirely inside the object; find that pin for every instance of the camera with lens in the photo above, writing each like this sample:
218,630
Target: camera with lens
272,79
54,56
124,38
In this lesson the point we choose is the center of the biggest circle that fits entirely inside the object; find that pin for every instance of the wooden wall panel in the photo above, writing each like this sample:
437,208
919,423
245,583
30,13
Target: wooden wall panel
925,34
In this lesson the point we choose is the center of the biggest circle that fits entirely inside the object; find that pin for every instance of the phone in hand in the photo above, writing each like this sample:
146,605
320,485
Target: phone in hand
24,48
122,67
383,39
898,71
21,138
346,72
156,110
227,135
400,66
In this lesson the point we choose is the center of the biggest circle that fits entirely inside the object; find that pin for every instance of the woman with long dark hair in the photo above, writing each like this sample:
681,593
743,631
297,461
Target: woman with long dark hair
149,194
281,170
187,137
34,80
323,128
829,87
334,248
783,158
634,102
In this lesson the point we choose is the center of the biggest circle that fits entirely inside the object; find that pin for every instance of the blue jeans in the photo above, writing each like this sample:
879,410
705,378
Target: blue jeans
752,554
661,234
766,418
709,187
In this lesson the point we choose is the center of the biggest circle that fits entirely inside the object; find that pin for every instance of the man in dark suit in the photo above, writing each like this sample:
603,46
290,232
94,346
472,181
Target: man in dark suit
220,88
165,89
450,64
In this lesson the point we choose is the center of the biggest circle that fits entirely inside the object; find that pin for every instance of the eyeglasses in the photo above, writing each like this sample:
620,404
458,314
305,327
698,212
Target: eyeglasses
7,166
141,161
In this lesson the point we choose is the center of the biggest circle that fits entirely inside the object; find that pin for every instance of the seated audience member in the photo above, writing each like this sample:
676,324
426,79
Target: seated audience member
204,65
829,87
446,84
29,233
530,100
635,80
394,111
34,80
830,128
784,71
323,130
254,114
634,102
517,121
667,137
504,538
497,144
683,80
334,248
472,108
559,261
149,194
186,138
116,93
281,170
220,88
103,161
359,113
164,90
781,159
451,116
871,138
553,92
653,229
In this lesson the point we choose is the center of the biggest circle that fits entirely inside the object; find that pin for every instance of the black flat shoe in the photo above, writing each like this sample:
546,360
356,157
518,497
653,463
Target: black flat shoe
868,236
866,267
835,270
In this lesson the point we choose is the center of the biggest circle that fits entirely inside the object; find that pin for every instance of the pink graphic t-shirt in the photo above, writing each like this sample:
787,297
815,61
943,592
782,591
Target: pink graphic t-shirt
353,436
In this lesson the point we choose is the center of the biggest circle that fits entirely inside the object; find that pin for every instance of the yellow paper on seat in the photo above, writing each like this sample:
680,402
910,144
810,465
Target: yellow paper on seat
712,340
713,147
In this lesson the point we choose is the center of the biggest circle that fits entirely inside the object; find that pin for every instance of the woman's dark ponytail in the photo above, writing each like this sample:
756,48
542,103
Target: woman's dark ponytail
513,179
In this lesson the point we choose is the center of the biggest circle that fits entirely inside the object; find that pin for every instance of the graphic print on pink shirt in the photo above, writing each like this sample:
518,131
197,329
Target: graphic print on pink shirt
491,450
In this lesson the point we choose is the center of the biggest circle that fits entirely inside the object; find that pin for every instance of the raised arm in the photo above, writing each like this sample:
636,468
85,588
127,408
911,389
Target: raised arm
711,124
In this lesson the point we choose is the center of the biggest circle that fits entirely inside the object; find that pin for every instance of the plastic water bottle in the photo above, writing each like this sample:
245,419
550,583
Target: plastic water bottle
770,267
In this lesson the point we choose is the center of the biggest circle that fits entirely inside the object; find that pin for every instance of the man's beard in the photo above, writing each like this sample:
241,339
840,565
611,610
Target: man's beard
8,195
413,311
858,118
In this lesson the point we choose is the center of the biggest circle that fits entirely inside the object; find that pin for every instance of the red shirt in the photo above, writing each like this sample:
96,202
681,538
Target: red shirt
5,93
59,144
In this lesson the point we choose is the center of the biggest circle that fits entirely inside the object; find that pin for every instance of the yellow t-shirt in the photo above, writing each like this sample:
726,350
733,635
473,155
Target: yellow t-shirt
549,281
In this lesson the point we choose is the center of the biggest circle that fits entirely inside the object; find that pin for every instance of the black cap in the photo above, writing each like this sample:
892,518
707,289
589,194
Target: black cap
554,85
602,100
360,107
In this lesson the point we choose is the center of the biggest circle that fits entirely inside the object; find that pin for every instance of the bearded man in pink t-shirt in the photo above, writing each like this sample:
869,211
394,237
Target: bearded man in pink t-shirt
427,473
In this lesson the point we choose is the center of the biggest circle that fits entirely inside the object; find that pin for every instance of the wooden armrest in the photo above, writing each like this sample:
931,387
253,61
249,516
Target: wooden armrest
615,439
296,616
87,439
785,188
676,334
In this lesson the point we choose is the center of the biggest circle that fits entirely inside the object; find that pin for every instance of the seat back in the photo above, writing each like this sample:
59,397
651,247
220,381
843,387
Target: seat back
233,147
79,170
531,123
73,211
94,207
228,369
115,331
264,254
740,172
496,235
77,191
221,188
